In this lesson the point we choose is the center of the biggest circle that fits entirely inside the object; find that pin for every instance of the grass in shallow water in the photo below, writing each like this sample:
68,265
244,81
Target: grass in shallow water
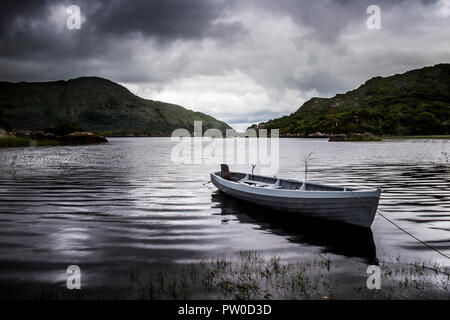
248,275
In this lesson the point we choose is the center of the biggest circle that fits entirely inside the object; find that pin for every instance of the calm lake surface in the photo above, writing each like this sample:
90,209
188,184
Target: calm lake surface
110,207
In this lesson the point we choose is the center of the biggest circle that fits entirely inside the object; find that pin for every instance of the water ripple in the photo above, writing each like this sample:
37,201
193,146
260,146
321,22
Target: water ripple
109,207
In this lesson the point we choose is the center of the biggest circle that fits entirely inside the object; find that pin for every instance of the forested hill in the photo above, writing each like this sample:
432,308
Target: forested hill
93,104
413,103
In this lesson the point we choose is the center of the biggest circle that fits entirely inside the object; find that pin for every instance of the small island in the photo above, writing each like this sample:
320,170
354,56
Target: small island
29,138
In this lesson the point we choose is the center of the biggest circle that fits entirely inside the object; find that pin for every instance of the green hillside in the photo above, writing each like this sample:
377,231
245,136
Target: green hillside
414,103
94,104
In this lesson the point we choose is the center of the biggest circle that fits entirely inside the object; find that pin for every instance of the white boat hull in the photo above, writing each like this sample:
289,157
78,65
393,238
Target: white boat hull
350,206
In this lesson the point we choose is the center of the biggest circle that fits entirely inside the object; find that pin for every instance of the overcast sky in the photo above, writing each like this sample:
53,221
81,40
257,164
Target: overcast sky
241,61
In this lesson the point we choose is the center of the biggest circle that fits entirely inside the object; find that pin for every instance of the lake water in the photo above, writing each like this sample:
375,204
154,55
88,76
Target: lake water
109,207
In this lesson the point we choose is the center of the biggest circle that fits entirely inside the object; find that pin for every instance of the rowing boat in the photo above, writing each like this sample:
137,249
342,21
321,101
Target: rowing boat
336,203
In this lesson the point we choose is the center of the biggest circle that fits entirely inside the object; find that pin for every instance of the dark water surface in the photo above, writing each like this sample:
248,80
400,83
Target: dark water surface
109,207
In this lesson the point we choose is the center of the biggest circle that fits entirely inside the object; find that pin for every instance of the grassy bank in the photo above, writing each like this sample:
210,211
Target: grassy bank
19,142
416,137
249,276
356,137
14,142
369,137
39,138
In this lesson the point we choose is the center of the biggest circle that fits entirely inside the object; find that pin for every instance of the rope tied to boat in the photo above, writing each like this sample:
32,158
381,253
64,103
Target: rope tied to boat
402,229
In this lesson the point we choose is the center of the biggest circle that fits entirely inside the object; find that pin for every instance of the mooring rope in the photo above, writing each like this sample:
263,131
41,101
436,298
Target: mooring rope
402,229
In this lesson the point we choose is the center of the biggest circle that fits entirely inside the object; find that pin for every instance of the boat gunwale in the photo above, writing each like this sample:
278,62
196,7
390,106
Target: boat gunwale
350,192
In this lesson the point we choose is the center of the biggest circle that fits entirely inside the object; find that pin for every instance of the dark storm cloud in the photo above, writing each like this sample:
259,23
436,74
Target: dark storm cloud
241,60
166,20
26,32
328,18
19,9
27,35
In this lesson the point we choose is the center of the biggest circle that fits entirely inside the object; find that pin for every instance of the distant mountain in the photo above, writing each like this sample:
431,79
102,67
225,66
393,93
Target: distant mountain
414,103
94,104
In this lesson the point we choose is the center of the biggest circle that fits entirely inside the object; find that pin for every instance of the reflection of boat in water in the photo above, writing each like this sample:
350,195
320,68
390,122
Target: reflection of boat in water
342,204
337,238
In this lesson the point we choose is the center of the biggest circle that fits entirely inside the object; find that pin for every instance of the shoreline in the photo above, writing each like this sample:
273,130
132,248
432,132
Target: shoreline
11,141
21,139
383,138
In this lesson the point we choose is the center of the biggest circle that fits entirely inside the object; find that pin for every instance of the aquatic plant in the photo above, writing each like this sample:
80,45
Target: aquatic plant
248,275
307,159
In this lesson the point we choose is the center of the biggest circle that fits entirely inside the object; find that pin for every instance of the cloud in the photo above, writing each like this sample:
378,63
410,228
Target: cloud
240,61
226,96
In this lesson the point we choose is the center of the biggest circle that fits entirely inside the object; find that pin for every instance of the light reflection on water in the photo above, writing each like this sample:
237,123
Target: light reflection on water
109,207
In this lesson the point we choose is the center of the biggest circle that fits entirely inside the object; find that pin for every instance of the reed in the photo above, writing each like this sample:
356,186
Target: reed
308,158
